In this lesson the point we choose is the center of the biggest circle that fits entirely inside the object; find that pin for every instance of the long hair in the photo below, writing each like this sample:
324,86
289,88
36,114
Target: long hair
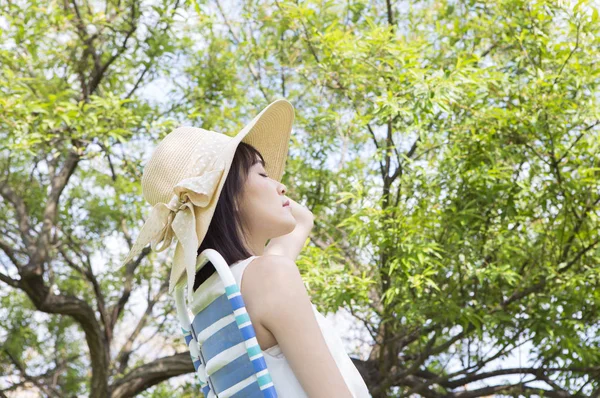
224,233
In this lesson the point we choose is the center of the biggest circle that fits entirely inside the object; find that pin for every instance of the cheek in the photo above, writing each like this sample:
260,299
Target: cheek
260,185
257,191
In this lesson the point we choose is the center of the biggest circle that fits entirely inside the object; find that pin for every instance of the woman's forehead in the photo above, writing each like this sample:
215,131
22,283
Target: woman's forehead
258,160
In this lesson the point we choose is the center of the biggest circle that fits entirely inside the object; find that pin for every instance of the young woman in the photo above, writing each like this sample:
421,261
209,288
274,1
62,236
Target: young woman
303,352
211,190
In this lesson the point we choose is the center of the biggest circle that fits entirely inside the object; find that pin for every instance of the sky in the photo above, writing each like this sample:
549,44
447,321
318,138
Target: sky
355,337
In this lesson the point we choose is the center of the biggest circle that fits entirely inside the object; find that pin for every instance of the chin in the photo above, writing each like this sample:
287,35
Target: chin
278,225
288,226
293,225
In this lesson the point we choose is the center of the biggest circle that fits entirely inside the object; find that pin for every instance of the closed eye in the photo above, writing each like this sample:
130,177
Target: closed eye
264,175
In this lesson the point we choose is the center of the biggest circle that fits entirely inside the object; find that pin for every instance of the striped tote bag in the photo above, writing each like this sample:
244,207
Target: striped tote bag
221,339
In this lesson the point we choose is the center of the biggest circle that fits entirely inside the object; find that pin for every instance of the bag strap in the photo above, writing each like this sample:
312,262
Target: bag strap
192,342
241,318
189,334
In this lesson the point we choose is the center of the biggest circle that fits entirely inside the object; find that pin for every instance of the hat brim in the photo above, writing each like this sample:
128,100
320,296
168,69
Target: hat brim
269,132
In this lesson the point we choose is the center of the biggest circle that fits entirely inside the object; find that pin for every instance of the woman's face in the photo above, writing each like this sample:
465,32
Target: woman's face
262,210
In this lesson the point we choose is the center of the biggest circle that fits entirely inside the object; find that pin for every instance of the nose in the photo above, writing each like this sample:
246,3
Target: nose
282,189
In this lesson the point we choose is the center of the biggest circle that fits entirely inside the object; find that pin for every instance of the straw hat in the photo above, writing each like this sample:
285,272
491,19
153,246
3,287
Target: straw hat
185,174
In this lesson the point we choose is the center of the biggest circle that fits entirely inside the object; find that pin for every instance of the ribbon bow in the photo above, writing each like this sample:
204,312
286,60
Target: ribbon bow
177,219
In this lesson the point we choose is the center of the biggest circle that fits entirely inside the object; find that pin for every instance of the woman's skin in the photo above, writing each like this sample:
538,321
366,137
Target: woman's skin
286,228
273,290
291,244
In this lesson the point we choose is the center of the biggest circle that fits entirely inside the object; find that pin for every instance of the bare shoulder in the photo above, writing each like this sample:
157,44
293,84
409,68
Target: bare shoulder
279,287
260,285
274,260
269,268
277,293
266,276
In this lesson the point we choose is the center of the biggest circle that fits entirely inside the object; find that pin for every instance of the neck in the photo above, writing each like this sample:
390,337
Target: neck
256,244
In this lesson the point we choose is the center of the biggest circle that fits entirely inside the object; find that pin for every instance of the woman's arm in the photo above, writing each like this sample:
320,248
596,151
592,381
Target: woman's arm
276,294
290,245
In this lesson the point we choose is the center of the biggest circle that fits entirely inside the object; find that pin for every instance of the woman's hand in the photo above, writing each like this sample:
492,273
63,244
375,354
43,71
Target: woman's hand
301,214
290,245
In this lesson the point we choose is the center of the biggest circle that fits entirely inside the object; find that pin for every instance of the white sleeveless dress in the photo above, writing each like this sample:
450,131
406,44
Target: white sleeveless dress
285,382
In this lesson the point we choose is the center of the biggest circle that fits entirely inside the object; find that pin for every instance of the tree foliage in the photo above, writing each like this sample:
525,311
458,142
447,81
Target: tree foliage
449,150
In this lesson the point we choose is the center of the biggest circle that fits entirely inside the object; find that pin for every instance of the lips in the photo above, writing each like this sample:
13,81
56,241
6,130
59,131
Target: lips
286,203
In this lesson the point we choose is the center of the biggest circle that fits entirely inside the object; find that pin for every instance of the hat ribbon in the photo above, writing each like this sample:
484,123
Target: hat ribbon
178,219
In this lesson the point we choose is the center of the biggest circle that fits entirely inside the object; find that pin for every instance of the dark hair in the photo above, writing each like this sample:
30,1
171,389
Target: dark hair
224,233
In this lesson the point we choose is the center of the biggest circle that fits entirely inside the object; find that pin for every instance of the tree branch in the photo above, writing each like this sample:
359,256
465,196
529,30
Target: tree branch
10,253
125,352
58,184
510,389
89,275
99,74
151,374
9,281
117,308
84,315
21,211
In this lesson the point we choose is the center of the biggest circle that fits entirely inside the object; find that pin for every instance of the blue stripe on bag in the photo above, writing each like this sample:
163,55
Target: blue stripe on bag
248,366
